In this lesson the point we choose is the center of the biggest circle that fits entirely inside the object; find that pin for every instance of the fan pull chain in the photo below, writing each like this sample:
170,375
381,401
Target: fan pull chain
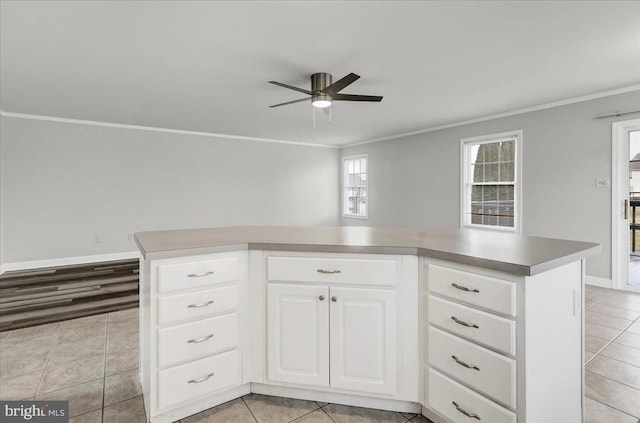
330,113
314,117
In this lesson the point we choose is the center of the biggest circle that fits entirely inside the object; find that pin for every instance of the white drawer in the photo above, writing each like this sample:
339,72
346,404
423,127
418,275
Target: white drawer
444,392
197,304
197,339
485,328
331,270
197,378
197,273
489,372
481,291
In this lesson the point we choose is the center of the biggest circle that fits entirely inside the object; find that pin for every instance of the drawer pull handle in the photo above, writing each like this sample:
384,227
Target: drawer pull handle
334,299
464,288
463,364
321,297
202,379
465,412
330,272
463,323
200,275
198,340
200,305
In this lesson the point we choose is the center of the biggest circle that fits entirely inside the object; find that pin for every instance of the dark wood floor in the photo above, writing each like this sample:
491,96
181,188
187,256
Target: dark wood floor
33,297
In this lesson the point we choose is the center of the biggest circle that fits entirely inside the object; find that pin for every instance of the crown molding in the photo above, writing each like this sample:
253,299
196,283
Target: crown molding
156,129
573,100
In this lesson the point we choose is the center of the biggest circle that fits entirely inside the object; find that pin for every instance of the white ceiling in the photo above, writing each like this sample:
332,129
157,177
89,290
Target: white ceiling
204,66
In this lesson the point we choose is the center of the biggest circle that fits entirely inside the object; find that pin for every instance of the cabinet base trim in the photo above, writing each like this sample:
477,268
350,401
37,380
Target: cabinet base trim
183,410
335,398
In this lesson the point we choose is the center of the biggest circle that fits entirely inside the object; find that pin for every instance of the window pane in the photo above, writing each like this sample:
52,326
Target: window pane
490,220
506,221
506,172
476,193
349,166
492,152
505,192
491,172
490,193
478,173
363,165
507,151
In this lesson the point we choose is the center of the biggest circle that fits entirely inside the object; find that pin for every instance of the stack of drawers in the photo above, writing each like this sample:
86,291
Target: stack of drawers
471,346
197,321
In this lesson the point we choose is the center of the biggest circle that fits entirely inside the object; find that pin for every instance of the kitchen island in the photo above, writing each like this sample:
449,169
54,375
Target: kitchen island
451,323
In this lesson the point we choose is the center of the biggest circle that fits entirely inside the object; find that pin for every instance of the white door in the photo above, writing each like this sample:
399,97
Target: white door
298,334
625,247
363,340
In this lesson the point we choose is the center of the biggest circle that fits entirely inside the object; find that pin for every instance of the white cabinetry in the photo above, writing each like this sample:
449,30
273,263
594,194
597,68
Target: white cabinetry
502,348
192,321
298,334
342,334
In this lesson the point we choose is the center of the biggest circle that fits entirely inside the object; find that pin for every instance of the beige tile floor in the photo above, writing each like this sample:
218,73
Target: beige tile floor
93,363
612,355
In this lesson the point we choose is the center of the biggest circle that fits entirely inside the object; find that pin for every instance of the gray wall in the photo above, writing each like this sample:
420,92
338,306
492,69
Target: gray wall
61,184
415,181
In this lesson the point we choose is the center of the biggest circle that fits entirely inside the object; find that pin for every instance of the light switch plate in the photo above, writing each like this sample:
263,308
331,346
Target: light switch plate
602,182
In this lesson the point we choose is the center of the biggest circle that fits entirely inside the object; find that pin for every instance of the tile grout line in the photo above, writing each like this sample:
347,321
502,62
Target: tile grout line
611,406
104,374
306,414
613,380
248,408
327,414
616,359
46,366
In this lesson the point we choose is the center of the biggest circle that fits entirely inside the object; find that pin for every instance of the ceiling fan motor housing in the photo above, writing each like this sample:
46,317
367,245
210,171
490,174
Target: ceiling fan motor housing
320,81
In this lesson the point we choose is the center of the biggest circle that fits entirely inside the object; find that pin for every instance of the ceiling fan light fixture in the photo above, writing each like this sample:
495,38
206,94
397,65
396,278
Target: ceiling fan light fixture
321,104
321,100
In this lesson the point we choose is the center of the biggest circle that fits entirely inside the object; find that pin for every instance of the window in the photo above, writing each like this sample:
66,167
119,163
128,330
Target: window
491,181
354,180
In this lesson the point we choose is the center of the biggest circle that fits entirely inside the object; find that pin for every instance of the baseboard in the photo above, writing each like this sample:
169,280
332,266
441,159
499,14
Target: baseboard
597,281
336,398
65,261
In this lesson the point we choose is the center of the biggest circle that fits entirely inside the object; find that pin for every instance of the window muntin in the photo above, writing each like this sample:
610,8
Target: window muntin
355,186
491,182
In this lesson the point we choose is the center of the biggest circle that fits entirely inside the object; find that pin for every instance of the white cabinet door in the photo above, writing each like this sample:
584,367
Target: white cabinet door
363,340
298,334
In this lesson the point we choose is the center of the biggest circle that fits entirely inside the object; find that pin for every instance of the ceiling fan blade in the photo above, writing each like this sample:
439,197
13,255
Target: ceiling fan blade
291,87
333,89
291,102
354,97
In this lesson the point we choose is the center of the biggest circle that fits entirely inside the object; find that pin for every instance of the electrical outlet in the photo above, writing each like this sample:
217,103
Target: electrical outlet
130,236
98,237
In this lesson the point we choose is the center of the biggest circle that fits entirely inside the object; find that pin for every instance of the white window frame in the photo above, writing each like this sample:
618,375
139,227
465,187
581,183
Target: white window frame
465,185
343,179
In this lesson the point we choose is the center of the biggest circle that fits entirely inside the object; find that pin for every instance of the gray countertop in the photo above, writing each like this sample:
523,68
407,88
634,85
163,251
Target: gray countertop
516,254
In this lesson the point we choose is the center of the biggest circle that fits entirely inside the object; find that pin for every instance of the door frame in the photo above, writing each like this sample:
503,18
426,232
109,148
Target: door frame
620,192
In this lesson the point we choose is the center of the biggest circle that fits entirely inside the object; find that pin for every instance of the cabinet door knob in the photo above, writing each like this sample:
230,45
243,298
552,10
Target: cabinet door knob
334,299
321,297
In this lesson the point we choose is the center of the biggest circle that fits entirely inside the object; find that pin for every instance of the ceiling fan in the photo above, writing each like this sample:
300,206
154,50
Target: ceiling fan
323,92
